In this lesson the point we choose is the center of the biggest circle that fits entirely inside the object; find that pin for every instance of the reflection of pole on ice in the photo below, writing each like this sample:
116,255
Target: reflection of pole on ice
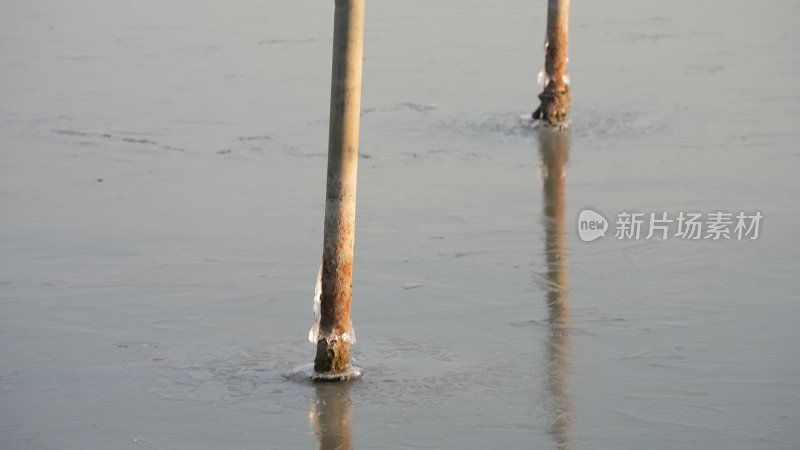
331,416
556,96
554,151
336,277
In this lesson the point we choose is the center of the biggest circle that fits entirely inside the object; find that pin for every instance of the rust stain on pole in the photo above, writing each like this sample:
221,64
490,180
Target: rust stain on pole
556,96
333,346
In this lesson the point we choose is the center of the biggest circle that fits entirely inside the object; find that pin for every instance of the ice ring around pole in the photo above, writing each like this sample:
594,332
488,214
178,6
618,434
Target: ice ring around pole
306,372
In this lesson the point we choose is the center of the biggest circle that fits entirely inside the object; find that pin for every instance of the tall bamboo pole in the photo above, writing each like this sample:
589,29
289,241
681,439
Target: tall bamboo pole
556,96
333,345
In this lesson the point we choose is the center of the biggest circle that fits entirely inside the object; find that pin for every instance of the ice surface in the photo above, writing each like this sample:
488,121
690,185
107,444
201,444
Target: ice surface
165,303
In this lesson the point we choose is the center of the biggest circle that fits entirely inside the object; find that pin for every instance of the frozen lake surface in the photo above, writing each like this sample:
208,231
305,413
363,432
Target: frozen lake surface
162,186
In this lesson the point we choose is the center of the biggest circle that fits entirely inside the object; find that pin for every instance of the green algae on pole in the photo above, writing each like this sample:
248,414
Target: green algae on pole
333,339
555,98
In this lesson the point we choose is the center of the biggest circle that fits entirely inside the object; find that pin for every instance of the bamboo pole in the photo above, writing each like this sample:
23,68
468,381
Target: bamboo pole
556,96
333,344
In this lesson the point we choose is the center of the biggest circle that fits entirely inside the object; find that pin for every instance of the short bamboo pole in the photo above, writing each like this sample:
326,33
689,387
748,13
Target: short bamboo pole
555,98
333,348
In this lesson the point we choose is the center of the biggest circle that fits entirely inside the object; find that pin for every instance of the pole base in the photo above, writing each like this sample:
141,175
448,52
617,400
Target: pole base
351,373
307,373
332,356
554,105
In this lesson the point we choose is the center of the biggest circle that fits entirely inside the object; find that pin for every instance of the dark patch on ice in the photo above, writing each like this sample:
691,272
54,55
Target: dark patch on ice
255,138
292,41
112,137
139,141
531,322
652,37
297,152
136,344
404,106
71,133
708,69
